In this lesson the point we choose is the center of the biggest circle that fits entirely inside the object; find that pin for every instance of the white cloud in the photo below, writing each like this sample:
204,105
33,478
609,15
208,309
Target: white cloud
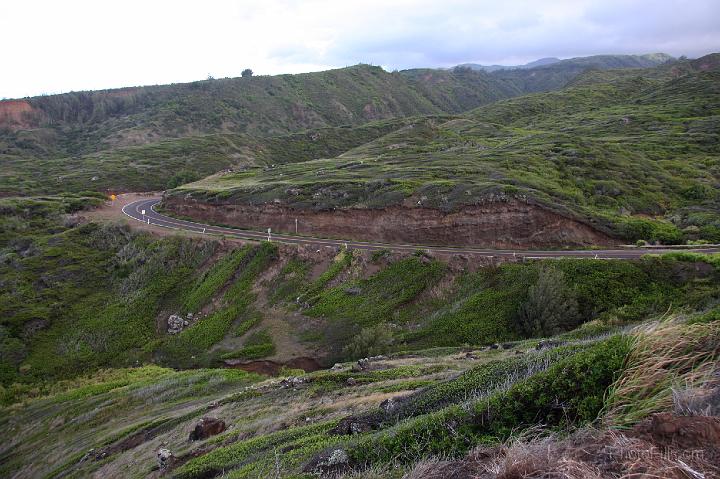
54,46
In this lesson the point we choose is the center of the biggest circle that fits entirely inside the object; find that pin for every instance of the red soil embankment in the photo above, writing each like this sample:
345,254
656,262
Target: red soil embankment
19,115
273,368
512,224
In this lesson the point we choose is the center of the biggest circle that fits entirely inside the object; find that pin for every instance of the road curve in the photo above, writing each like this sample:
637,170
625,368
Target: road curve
135,209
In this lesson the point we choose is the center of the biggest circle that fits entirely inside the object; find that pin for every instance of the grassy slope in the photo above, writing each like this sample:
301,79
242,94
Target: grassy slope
74,299
635,155
167,163
445,403
199,128
79,298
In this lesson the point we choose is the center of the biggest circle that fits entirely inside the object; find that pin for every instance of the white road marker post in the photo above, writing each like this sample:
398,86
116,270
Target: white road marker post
269,231
142,212
296,226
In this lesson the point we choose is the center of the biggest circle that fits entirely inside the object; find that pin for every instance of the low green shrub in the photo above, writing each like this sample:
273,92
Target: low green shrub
570,392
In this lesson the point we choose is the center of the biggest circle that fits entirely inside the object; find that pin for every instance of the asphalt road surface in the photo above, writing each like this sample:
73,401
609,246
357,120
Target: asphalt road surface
134,210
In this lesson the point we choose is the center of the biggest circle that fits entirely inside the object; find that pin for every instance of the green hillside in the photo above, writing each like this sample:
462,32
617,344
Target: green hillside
127,350
635,155
127,139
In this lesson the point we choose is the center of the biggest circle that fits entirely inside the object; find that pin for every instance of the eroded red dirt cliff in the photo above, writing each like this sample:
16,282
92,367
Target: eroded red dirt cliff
511,224
19,115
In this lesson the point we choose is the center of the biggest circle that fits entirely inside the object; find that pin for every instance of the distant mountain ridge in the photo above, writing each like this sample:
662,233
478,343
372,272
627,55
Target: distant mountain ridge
596,61
493,68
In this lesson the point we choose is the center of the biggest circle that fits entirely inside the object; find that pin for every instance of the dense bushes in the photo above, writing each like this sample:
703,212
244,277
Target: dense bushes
570,392
371,341
88,297
550,307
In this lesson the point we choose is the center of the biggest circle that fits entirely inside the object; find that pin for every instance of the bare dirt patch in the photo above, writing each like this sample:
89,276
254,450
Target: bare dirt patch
273,368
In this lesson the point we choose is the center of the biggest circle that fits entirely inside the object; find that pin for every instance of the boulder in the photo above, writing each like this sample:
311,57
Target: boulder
351,425
175,324
292,382
361,365
206,427
165,458
330,462
389,405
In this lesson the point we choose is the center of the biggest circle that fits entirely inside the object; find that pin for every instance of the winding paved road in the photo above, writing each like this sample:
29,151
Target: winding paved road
134,210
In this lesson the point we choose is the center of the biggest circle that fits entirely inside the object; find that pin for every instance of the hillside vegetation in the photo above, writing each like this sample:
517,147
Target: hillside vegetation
634,155
125,353
129,139
77,297
433,412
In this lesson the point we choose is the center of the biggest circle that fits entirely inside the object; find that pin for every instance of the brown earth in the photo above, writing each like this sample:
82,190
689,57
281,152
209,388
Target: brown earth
272,368
512,224
19,115
664,446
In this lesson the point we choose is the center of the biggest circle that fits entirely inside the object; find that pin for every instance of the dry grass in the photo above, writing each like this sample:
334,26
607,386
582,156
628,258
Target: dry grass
666,357
587,454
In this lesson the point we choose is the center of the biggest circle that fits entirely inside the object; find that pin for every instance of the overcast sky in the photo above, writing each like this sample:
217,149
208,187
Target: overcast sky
56,46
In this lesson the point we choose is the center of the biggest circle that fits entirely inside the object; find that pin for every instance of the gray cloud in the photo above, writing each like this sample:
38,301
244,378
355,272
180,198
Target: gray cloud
85,44
487,33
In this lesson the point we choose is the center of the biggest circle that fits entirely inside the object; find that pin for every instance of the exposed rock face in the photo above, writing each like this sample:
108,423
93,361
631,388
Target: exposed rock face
206,427
509,224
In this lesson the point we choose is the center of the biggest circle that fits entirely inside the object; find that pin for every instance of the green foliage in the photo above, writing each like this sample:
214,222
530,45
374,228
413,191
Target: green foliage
371,341
650,230
550,307
570,392
635,158
370,301
340,262
86,297
473,383
191,344
228,457
182,177
707,317
692,257
290,282
258,345
214,279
